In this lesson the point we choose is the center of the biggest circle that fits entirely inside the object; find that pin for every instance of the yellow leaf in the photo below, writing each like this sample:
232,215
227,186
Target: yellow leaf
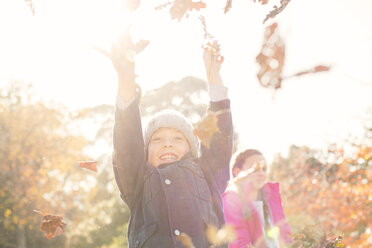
15,219
220,236
273,232
186,240
7,213
205,129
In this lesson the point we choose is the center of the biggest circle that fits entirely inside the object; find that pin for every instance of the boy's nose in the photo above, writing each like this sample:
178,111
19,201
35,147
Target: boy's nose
168,143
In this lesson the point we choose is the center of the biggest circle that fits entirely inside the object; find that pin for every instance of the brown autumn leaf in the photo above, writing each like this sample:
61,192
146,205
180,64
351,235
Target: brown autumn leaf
263,2
228,4
90,165
132,5
316,69
206,128
209,42
30,3
220,236
271,58
319,68
180,8
141,45
334,242
276,10
207,35
164,5
51,225
186,240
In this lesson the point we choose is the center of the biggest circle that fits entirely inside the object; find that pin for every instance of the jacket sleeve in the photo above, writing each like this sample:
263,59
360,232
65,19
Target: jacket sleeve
216,158
128,155
233,211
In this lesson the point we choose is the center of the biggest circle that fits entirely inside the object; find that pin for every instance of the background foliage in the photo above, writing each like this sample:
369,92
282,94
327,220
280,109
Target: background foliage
41,145
40,149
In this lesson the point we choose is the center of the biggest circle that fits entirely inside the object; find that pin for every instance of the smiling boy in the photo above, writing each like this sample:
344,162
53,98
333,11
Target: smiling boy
171,183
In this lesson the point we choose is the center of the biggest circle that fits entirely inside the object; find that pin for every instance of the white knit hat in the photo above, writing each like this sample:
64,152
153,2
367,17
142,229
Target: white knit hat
173,119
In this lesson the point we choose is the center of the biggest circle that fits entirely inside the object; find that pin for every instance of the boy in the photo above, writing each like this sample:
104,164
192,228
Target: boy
171,184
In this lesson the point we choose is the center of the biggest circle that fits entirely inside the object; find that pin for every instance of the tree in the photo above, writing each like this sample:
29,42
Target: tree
37,156
330,190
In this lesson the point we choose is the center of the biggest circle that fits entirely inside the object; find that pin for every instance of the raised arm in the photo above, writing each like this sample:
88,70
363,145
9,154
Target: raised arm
216,158
128,154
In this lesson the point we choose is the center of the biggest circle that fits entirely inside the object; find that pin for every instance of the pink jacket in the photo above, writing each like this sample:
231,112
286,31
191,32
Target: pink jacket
249,228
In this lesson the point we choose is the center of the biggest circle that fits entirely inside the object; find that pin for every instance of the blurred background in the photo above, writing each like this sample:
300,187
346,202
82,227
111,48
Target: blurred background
57,95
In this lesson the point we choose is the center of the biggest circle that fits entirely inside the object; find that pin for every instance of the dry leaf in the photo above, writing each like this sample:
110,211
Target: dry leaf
51,225
90,165
228,6
276,10
30,3
220,236
316,69
206,128
319,68
263,2
180,8
141,45
164,5
209,42
271,58
132,4
186,240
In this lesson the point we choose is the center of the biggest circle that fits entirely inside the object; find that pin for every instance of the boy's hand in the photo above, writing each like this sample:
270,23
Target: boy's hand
213,61
122,54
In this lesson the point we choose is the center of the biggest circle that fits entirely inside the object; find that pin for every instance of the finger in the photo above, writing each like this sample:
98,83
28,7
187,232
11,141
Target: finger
220,59
141,45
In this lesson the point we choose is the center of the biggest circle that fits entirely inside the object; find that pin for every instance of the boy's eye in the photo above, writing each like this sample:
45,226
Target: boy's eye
155,139
178,138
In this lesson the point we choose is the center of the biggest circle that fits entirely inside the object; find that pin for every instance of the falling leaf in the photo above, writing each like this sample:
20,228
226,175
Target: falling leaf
209,42
90,165
164,5
319,68
220,236
206,128
316,69
273,232
30,3
271,58
228,6
263,2
141,45
276,10
7,213
51,225
132,4
180,8
186,240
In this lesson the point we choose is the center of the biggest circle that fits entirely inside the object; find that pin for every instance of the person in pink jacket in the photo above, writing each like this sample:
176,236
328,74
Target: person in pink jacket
253,206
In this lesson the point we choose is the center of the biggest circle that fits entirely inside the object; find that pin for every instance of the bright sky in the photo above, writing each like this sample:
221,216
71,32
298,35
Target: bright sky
54,50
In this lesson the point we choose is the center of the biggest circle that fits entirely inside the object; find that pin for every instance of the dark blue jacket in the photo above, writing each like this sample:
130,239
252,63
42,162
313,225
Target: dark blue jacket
181,197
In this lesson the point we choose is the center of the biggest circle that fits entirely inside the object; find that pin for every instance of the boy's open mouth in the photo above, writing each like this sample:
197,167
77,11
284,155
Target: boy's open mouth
168,157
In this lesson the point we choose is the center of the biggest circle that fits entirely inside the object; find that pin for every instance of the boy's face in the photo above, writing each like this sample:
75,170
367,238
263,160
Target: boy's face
167,145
